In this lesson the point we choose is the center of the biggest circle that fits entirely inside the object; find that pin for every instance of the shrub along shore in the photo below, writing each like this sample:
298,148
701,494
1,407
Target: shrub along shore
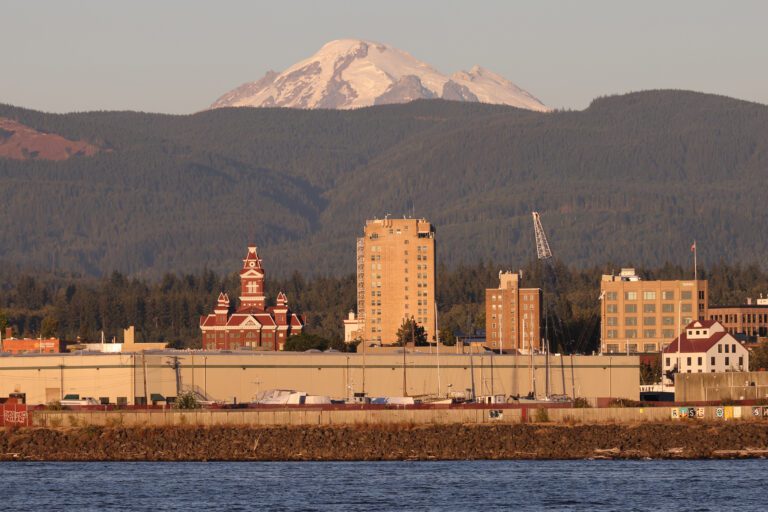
662,440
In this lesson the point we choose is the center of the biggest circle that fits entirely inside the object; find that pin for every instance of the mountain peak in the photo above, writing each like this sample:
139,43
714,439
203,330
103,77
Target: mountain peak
345,45
354,73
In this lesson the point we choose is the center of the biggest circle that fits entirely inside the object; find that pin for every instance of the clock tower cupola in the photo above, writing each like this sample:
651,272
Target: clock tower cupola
252,281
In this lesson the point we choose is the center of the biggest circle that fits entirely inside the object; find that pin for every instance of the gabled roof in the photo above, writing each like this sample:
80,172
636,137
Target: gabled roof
252,260
251,272
238,320
295,321
222,301
695,345
701,324
265,319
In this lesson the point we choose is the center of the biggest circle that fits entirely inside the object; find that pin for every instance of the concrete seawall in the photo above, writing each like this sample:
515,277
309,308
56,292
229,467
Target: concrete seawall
305,416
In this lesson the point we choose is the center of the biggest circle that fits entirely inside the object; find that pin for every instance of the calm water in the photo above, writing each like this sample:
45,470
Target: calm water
485,485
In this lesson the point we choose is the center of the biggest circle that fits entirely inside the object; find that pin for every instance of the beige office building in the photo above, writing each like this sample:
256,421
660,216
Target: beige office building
645,316
512,315
747,322
395,278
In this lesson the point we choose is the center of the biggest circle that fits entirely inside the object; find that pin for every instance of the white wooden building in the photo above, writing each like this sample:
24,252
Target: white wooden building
705,346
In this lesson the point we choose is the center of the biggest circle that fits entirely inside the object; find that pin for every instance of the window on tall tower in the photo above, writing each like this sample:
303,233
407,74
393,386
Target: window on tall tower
252,287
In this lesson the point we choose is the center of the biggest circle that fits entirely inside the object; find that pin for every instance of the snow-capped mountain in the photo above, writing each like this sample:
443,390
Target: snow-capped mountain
350,73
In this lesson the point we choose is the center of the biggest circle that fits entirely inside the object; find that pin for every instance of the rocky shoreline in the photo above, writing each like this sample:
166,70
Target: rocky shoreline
667,440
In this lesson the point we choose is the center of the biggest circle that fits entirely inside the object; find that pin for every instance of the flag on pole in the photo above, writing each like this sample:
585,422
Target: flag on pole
695,269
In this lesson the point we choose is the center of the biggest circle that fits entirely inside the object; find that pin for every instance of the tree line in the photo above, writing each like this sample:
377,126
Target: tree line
169,309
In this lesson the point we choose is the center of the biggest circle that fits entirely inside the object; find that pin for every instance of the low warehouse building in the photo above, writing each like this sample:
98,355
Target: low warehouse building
707,387
31,345
240,376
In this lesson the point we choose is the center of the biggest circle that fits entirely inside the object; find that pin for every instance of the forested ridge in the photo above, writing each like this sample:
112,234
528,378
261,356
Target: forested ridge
168,309
632,179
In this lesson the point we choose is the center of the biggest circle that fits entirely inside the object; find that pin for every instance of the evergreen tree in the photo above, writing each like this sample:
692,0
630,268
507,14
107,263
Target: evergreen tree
411,332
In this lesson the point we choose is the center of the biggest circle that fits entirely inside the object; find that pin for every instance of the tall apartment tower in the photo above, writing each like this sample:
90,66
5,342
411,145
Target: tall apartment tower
513,315
645,316
395,278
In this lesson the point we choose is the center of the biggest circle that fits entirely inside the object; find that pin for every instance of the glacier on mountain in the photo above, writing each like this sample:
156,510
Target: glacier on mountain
351,73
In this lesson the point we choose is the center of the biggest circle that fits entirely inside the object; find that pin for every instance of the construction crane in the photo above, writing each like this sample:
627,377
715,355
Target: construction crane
542,246
543,253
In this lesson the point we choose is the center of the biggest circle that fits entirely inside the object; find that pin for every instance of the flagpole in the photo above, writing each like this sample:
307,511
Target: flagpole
695,267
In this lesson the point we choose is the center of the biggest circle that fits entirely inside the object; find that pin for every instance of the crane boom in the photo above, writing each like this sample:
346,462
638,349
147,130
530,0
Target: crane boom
542,246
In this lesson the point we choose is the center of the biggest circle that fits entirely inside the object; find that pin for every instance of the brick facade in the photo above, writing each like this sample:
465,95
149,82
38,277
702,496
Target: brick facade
252,326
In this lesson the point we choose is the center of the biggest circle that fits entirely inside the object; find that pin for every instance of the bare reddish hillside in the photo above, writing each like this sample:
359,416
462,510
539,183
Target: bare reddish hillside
24,143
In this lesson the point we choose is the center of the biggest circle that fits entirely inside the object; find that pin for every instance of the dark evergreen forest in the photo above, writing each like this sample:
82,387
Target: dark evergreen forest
168,309
631,179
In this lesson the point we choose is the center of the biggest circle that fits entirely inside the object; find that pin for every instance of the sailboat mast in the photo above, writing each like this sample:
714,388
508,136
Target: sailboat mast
546,366
437,338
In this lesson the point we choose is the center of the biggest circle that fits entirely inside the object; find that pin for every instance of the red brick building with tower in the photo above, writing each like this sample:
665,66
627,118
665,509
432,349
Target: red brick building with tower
252,326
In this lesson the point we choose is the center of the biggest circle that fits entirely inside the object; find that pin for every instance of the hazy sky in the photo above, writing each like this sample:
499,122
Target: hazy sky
179,56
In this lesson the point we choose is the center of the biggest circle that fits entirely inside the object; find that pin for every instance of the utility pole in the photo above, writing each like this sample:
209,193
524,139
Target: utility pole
144,367
472,373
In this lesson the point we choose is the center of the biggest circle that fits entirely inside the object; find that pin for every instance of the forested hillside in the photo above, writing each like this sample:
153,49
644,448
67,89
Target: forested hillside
632,179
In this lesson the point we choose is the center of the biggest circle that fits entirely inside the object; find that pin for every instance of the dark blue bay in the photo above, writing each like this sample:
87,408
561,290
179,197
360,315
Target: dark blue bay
464,485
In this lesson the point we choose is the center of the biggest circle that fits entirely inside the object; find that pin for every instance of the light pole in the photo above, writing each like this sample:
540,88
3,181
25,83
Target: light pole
405,384
413,340
347,384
